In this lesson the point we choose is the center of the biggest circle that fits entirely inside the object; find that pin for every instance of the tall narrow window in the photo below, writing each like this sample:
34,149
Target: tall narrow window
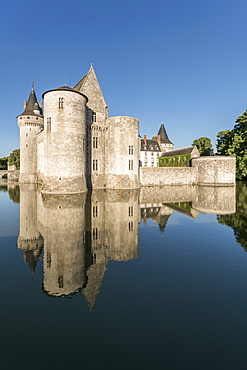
131,150
95,233
95,164
131,226
95,141
131,211
93,116
95,211
131,165
48,123
60,104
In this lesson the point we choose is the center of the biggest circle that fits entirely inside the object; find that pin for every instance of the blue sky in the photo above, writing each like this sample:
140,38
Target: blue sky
183,59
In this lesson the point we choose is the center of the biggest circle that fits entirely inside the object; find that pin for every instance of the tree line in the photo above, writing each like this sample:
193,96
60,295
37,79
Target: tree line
12,159
229,142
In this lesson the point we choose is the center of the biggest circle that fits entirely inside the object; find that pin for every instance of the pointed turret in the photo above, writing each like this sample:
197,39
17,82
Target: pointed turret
32,107
31,122
165,143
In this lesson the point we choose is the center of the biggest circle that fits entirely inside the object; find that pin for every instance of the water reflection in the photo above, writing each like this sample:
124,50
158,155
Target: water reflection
78,234
238,220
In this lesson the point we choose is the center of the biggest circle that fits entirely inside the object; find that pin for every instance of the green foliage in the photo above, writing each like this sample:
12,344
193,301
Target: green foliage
4,163
238,220
14,158
234,142
204,146
175,161
14,194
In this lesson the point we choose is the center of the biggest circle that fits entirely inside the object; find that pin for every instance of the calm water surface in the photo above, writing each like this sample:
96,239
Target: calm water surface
155,279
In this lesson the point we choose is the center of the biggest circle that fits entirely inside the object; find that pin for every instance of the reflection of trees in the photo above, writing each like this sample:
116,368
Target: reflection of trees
14,194
238,221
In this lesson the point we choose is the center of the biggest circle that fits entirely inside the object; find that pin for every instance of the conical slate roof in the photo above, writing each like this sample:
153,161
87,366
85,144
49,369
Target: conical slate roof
32,107
163,135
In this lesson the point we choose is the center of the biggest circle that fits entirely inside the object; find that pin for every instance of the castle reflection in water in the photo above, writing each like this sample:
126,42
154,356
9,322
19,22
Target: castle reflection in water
80,233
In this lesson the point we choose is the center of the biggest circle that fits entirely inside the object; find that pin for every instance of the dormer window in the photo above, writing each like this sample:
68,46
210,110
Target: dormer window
145,147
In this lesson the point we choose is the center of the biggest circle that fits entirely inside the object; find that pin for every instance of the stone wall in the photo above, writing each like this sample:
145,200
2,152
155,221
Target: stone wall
159,176
215,170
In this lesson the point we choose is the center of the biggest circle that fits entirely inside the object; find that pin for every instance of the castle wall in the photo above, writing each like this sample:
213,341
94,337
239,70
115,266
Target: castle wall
29,128
65,141
122,153
40,156
158,176
215,170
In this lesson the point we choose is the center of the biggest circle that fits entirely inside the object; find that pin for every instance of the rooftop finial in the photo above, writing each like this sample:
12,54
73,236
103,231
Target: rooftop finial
33,85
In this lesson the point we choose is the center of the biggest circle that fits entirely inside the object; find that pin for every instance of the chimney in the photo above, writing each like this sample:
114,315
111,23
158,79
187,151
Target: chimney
25,104
41,104
145,139
158,138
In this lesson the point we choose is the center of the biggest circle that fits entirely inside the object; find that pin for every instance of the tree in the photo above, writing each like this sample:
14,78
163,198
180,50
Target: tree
204,146
234,142
14,158
3,163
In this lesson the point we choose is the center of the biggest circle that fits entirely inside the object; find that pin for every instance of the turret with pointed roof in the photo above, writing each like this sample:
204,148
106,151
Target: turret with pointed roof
165,144
31,122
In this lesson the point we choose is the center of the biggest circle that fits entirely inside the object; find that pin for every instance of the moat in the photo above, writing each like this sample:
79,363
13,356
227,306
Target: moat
141,279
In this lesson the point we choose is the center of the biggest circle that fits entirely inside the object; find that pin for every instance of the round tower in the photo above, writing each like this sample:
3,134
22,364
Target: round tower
31,122
123,153
64,141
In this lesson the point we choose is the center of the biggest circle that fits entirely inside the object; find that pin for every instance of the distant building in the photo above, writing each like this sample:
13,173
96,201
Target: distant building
193,151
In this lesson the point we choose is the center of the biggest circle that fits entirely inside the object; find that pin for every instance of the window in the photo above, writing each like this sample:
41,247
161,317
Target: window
95,233
152,153
146,153
93,116
131,150
60,281
131,226
95,164
95,211
131,165
95,141
48,123
130,211
60,104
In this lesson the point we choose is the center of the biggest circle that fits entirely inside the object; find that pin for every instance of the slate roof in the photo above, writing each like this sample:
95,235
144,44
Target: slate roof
64,88
178,152
32,105
163,135
151,145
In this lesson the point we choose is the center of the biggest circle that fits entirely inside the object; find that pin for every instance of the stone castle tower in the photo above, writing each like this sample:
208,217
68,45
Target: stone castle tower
31,122
75,146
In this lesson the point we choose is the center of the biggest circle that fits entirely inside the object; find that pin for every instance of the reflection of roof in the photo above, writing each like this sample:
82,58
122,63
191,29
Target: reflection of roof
178,152
163,135
151,145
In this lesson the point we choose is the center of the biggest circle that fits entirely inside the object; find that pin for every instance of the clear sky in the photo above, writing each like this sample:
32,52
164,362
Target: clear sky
183,60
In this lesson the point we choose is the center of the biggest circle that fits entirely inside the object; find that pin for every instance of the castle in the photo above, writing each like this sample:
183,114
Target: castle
75,146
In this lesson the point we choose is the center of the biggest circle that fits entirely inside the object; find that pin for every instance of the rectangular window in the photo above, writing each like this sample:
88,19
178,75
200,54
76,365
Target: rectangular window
95,141
48,123
152,153
131,211
95,164
131,165
131,150
146,153
95,211
93,116
60,103
95,233
131,226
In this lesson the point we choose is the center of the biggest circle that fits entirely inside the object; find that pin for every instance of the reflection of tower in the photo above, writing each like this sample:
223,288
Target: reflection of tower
122,215
64,248
158,212
97,240
29,240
